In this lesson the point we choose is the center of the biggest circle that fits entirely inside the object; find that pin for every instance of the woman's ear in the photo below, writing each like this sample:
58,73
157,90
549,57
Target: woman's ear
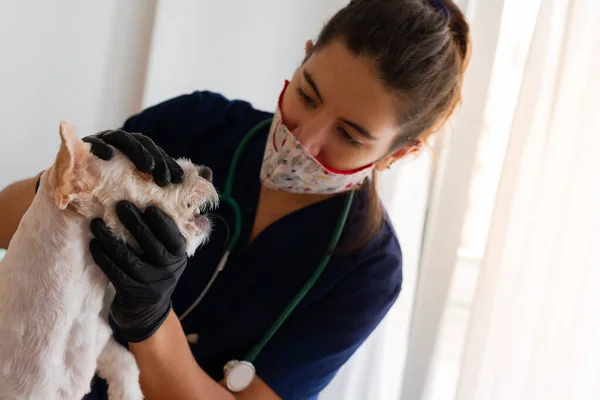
308,50
308,46
387,162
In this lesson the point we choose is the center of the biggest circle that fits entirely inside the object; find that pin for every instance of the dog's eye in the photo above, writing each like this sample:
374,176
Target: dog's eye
189,205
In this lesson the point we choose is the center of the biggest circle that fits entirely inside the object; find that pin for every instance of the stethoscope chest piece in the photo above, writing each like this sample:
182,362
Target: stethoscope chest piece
239,375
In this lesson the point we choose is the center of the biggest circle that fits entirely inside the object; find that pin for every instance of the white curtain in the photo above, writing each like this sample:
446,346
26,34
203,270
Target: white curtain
535,324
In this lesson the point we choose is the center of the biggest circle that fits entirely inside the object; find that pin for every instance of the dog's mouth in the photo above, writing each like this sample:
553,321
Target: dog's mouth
200,220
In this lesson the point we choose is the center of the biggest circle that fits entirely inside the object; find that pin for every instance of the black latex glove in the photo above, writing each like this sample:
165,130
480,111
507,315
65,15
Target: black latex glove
144,283
143,152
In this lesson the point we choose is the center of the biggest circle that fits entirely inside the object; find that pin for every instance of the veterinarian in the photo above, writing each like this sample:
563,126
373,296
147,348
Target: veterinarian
382,76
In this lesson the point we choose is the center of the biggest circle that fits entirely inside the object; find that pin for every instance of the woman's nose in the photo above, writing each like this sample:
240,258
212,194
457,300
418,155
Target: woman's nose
313,135
205,173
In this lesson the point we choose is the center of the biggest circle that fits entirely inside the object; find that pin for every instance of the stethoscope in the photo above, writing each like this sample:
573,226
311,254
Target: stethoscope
239,374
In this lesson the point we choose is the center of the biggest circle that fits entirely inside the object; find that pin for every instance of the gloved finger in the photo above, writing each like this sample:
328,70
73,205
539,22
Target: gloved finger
102,133
166,230
118,250
99,148
112,271
133,219
161,172
132,148
174,167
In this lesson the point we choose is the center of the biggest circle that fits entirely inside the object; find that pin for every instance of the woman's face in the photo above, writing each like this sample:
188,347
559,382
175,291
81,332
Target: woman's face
340,111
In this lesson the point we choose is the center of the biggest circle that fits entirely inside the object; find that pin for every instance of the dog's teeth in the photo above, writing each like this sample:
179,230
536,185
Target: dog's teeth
207,206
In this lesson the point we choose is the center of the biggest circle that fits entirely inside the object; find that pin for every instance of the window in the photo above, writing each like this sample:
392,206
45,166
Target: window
517,25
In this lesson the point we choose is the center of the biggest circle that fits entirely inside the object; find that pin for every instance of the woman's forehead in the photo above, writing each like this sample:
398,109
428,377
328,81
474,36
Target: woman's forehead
350,86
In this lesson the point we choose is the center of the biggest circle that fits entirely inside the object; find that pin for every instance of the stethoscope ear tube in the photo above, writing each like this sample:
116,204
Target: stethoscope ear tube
219,268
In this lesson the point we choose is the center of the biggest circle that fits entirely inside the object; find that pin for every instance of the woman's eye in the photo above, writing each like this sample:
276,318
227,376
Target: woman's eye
306,98
349,138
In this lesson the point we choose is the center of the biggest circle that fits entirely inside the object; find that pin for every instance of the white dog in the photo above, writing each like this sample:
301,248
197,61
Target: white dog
54,300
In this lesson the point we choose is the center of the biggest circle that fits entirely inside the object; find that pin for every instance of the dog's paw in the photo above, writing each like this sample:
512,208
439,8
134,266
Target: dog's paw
127,391
118,366
127,387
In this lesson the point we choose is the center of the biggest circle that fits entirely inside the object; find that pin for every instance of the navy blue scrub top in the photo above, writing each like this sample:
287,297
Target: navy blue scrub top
347,302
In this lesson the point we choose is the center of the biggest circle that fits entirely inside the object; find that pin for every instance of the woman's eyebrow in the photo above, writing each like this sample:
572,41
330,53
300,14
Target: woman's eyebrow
359,129
309,78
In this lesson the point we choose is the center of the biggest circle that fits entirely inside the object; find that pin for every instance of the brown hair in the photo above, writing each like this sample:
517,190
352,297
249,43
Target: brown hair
421,49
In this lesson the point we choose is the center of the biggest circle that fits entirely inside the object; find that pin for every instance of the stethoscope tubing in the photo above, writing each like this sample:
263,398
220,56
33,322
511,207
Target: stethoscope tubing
246,365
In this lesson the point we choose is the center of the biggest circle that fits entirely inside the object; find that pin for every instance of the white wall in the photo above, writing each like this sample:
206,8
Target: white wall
242,49
88,63
79,61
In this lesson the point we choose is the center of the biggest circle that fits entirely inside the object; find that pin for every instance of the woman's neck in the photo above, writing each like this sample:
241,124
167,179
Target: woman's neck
275,204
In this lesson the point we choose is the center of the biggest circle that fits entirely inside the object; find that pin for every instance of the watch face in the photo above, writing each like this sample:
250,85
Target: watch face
239,375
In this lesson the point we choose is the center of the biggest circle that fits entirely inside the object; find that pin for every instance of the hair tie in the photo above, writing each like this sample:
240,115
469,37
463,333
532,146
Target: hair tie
439,5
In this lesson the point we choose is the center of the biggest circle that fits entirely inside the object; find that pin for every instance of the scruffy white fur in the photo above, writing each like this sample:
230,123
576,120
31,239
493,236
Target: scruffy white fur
54,300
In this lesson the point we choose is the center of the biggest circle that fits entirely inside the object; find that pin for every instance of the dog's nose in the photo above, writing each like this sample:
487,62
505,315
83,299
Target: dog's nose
205,173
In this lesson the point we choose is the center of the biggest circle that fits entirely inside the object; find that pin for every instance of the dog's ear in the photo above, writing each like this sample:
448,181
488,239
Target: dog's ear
70,175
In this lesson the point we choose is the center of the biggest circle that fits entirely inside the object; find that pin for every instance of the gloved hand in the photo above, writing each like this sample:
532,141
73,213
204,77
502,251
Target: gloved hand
144,283
141,150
